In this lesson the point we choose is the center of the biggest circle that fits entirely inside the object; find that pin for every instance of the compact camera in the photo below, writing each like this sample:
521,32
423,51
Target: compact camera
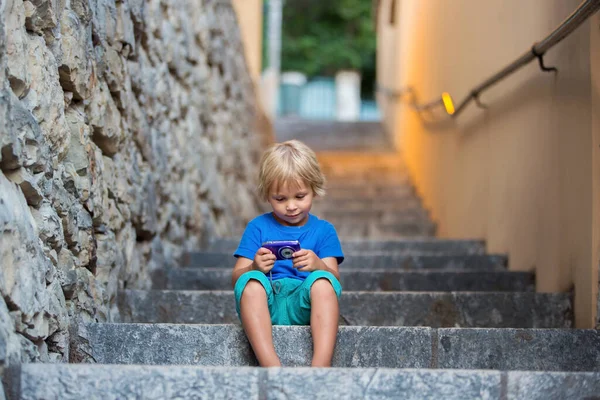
283,249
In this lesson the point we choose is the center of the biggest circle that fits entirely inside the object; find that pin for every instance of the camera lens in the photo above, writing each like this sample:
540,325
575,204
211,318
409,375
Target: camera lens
286,252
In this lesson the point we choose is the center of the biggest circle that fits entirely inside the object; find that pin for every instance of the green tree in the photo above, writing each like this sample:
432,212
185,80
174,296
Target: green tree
320,37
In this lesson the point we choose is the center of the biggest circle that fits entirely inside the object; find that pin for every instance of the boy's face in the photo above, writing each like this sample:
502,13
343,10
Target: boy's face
291,202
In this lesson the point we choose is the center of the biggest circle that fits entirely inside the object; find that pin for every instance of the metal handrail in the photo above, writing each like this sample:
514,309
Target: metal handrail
586,9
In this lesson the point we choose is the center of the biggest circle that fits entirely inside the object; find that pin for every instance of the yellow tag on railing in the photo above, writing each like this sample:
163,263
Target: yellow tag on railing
448,103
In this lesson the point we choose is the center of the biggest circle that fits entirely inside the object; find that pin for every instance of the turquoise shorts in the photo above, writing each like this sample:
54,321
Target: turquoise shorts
289,303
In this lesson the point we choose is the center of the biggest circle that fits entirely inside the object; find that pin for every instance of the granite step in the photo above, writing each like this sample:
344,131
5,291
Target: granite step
352,205
112,382
435,309
356,346
377,183
374,280
377,219
396,246
374,191
406,229
375,260
336,215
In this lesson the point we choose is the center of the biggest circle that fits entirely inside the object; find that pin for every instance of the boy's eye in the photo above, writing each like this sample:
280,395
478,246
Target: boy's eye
300,196
279,199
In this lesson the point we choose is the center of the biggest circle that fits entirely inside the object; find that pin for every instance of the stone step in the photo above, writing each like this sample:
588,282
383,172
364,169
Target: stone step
338,136
353,205
356,346
381,182
112,382
375,260
400,224
336,215
361,164
402,221
353,230
351,201
371,178
374,191
436,309
395,246
374,280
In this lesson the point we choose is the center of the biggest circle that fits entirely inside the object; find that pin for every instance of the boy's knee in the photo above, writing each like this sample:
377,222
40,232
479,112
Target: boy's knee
254,289
322,288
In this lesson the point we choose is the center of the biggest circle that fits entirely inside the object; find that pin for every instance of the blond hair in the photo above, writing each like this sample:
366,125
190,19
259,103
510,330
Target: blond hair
290,162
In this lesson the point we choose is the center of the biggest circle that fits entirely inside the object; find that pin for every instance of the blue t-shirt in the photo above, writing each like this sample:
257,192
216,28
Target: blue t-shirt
317,235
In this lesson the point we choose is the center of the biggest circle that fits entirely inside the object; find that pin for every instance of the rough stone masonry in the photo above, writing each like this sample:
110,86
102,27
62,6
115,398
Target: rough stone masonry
128,135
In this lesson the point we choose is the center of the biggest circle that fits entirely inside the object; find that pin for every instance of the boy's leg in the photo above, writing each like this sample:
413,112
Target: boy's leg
256,319
316,301
324,317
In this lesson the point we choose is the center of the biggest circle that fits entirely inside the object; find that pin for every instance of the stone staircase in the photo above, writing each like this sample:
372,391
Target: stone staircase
419,318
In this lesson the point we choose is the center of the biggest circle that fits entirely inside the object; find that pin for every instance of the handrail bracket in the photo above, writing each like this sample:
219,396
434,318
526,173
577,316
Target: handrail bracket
540,57
475,96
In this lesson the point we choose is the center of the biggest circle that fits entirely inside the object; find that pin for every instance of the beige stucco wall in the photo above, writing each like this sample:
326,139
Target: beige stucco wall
595,72
250,19
387,63
520,173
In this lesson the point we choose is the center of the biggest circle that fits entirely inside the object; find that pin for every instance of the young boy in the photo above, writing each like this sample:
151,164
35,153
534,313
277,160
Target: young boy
304,289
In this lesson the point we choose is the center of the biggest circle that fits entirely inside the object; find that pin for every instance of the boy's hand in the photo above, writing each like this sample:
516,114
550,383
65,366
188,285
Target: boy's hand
264,260
307,261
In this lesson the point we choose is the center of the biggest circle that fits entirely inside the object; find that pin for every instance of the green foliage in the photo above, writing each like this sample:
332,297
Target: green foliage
321,37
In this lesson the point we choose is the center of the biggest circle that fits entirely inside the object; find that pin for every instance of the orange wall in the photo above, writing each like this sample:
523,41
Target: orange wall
520,173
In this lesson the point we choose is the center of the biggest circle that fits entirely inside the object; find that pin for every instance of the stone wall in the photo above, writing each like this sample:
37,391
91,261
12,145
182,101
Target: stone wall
128,135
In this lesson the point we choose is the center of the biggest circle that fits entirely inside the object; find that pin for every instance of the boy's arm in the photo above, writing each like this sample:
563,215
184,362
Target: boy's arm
330,264
263,261
242,265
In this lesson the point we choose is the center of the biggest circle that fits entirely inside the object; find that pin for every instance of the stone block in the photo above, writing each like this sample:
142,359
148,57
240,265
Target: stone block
105,121
28,185
520,349
80,381
553,385
42,15
22,143
226,345
435,309
374,280
45,98
458,309
76,67
16,44
382,383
